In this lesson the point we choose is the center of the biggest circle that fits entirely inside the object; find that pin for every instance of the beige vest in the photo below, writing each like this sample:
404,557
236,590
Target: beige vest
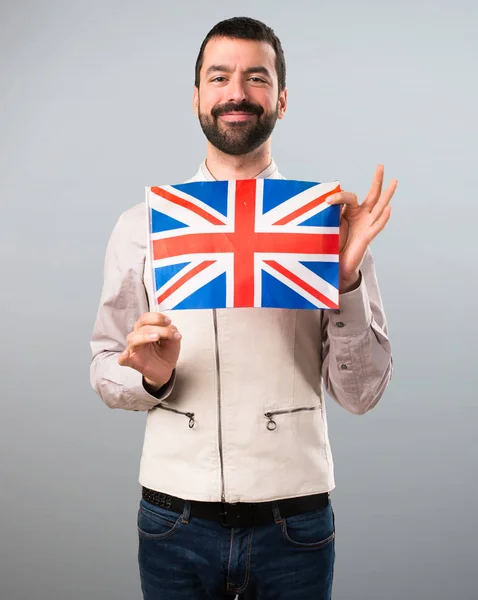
246,420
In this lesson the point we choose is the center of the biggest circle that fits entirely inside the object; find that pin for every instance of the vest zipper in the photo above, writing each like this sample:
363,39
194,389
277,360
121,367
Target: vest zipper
190,415
219,416
271,424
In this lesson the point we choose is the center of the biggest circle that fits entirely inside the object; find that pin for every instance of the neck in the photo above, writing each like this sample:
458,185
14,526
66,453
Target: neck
224,166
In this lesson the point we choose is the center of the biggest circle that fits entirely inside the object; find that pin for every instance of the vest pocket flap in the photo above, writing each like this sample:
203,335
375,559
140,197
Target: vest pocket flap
273,415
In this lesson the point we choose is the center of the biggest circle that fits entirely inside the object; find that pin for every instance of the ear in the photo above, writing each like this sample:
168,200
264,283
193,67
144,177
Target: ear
196,101
282,104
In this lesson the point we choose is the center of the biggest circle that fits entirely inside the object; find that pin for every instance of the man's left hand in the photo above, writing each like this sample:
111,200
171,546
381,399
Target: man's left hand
359,224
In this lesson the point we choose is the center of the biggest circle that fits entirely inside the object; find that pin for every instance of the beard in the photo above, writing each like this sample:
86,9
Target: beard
237,137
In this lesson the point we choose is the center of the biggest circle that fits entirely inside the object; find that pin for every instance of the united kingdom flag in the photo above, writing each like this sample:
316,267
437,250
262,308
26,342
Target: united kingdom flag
247,243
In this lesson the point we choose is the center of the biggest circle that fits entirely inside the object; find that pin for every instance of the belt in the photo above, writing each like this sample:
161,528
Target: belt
242,514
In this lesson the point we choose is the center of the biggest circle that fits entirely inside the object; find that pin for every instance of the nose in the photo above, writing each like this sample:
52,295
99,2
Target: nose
236,91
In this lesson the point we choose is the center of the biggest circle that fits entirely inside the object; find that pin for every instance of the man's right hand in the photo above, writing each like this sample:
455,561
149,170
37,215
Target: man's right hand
153,348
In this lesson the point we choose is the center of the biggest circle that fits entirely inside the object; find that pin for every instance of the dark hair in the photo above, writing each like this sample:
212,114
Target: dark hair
245,28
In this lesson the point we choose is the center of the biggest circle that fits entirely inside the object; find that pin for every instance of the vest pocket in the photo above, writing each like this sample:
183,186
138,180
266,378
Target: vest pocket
272,424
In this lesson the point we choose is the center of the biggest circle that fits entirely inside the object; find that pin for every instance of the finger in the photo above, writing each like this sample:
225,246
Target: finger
346,198
152,318
140,337
153,329
381,221
375,189
384,200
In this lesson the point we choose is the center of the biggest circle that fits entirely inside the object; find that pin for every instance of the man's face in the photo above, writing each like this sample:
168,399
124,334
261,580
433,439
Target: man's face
238,101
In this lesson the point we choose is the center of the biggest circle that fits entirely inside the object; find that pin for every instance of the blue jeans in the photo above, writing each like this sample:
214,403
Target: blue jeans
183,557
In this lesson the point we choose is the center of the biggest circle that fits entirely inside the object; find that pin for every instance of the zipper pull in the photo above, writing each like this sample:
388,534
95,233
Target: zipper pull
192,422
271,424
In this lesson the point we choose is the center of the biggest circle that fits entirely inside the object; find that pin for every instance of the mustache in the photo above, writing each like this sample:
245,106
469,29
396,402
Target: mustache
243,107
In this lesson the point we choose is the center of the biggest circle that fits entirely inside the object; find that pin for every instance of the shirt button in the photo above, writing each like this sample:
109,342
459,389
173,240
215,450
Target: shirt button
336,311
343,367
340,324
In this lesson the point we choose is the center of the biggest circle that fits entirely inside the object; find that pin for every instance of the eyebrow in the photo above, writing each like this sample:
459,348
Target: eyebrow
249,71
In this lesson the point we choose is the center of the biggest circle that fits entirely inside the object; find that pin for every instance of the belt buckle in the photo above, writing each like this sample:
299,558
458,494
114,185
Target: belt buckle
236,515
224,514
229,517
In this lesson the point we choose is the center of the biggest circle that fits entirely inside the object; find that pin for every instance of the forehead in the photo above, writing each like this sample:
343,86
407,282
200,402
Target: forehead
238,54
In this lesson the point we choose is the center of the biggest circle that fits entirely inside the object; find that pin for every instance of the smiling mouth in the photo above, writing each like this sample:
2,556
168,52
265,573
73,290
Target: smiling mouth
237,116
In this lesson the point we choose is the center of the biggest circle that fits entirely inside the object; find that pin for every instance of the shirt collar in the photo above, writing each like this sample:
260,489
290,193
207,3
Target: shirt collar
269,172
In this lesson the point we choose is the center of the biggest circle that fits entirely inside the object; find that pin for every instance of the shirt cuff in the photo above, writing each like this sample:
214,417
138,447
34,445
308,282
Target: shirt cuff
164,390
134,389
354,315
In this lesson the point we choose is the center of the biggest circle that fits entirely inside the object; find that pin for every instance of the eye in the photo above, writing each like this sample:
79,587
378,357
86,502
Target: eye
257,80
219,79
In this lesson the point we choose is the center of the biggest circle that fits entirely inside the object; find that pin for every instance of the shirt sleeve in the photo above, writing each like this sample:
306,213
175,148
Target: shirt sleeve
123,299
356,351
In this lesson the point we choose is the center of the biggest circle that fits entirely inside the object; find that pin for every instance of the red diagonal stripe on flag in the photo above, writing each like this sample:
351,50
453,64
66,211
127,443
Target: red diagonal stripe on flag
186,204
301,283
309,206
182,280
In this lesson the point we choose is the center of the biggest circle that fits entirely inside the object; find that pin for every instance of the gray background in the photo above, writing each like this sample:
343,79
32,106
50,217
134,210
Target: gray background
95,103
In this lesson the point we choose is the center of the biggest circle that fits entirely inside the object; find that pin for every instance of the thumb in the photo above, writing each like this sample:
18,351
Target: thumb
123,358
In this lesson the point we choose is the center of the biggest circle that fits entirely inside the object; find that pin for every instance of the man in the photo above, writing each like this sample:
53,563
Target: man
236,466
